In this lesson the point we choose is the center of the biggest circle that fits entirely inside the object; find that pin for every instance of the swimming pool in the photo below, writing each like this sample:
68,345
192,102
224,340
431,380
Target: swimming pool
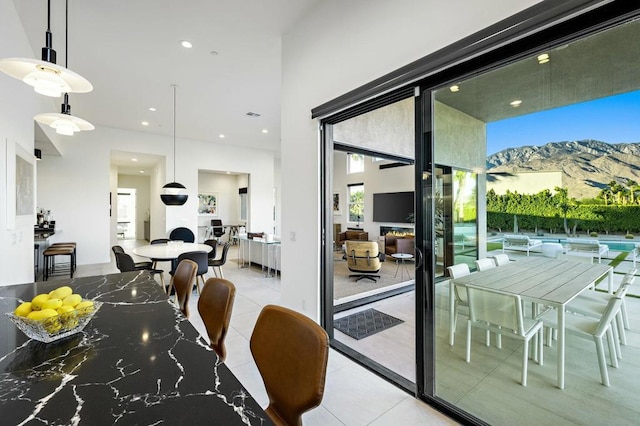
613,245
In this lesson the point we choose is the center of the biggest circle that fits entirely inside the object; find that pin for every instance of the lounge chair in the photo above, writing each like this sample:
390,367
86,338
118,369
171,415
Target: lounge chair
586,248
520,243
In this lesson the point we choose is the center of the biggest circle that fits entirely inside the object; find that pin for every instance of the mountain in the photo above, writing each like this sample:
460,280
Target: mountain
588,165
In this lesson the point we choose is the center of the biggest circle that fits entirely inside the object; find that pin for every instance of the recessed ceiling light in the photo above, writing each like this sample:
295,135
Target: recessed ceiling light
228,173
543,59
221,136
134,160
152,109
265,131
214,52
253,114
516,103
141,171
186,44
454,88
145,123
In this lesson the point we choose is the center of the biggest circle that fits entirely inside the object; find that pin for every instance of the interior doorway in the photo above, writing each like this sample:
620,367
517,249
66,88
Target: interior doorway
127,208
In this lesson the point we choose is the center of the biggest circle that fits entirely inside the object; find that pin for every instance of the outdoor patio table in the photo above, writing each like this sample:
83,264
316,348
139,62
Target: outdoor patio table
550,282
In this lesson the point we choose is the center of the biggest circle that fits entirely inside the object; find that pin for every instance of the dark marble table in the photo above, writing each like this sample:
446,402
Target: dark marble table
138,361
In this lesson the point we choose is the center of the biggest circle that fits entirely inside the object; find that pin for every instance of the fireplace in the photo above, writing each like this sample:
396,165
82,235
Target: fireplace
397,230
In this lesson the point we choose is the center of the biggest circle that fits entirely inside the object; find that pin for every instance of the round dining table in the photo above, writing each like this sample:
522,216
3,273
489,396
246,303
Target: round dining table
170,250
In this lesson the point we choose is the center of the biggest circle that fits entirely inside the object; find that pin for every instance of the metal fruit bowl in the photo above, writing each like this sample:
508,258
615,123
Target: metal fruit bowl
58,327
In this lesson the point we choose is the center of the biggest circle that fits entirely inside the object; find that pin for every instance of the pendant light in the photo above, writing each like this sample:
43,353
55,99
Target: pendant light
44,75
64,123
175,194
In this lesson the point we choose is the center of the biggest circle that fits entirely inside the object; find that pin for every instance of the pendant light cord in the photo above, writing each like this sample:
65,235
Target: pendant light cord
48,42
174,132
66,34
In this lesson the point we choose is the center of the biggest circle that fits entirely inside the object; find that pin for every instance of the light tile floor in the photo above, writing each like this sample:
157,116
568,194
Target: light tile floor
489,386
353,395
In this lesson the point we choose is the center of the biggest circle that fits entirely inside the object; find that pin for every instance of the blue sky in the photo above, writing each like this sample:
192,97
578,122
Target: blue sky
614,119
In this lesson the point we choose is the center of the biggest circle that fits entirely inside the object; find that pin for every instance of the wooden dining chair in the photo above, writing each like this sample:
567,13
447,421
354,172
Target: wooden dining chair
182,281
291,353
215,304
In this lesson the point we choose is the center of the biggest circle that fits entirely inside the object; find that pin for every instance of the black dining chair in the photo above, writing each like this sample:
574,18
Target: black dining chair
217,229
200,258
158,241
182,234
214,248
138,265
125,263
218,263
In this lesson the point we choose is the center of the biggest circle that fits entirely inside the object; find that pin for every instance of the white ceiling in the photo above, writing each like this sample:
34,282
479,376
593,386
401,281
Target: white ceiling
130,51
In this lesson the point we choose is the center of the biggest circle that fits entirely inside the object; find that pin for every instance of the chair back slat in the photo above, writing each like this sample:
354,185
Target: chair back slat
496,308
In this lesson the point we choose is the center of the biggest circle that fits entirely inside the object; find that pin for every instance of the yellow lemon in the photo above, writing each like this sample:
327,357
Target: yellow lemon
49,319
60,292
68,316
72,300
42,314
84,307
38,301
52,304
64,309
23,309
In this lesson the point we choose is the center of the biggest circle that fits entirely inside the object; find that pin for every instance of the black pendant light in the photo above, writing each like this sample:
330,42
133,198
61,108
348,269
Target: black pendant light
46,77
175,194
64,123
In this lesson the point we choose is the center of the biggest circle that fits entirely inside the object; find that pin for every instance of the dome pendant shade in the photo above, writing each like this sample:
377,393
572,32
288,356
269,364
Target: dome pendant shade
175,194
44,75
64,123
47,78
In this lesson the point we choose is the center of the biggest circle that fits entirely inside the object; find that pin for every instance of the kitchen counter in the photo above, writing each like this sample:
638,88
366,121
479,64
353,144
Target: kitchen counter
138,361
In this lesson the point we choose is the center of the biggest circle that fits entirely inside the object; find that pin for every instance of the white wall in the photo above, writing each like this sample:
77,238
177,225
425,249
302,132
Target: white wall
395,179
19,104
76,186
338,47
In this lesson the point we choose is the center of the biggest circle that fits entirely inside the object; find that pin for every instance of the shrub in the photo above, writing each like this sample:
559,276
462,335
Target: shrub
593,234
629,236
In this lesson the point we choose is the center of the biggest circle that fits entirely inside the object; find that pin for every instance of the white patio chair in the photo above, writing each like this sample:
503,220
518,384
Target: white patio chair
592,329
501,259
593,304
500,312
628,280
459,296
485,264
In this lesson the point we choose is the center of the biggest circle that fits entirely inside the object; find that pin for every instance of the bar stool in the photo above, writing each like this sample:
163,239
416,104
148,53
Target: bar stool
36,262
49,259
71,244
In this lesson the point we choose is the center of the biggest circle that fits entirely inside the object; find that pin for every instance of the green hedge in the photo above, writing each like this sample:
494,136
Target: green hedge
546,211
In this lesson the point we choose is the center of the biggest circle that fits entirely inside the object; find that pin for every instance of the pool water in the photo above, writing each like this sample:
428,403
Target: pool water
613,245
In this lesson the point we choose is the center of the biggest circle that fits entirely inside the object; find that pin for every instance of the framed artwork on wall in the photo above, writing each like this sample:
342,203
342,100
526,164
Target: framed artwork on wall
336,203
208,203
20,181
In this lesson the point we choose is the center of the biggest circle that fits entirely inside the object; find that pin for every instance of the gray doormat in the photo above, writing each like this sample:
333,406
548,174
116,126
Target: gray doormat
365,323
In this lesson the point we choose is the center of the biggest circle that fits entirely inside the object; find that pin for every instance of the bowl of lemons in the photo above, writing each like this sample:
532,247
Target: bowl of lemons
54,315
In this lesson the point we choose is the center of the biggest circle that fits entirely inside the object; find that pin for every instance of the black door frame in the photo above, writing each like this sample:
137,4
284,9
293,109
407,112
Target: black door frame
545,25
